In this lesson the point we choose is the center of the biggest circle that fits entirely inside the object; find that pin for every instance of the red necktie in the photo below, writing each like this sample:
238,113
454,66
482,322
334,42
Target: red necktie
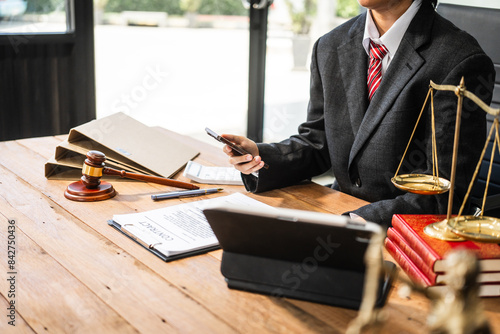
377,53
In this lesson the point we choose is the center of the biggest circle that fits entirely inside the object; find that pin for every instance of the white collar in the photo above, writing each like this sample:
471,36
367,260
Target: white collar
392,38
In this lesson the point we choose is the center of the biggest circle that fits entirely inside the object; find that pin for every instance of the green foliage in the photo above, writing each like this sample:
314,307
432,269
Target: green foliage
44,6
301,13
190,6
179,7
100,4
169,6
347,8
222,7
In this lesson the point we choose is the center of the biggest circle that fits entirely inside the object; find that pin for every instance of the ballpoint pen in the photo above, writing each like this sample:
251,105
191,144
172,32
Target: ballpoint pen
185,193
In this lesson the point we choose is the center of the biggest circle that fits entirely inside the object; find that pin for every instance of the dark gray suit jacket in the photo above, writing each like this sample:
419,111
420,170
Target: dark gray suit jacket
362,141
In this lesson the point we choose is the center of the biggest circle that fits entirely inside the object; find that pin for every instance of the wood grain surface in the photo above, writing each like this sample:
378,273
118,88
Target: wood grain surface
75,274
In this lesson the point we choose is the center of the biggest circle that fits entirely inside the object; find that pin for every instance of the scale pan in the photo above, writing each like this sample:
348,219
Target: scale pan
422,184
482,229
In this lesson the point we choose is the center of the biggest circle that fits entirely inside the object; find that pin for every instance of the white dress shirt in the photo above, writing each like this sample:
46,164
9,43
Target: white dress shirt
392,38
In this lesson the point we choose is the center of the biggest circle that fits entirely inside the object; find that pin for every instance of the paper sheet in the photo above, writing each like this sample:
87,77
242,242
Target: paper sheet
178,228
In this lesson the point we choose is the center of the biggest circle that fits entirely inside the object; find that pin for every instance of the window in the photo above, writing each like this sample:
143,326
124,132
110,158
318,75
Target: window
294,25
167,66
22,17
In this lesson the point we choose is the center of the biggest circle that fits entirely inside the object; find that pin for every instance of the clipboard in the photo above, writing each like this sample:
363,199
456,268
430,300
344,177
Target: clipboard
178,231
151,246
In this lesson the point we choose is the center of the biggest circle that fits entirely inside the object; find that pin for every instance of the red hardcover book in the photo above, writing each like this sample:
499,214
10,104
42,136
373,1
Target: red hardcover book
418,277
406,264
403,246
433,277
432,251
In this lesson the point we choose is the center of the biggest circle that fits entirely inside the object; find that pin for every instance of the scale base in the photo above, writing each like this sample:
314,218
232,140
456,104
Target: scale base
440,230
480,229
77,191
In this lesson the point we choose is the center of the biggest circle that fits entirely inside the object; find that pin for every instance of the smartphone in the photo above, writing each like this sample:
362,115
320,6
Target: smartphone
237,150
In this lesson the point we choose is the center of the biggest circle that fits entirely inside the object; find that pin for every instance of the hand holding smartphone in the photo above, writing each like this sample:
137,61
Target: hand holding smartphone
237,150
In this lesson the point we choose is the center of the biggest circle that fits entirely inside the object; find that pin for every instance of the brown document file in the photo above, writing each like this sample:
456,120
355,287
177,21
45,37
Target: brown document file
127,143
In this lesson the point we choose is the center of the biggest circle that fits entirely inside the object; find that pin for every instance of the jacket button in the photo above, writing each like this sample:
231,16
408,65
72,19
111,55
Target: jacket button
358,182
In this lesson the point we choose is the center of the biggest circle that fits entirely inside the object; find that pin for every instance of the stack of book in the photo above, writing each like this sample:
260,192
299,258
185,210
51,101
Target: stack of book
127,144
421,256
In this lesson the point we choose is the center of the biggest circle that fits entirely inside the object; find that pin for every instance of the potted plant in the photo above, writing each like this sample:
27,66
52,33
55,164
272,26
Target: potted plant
190,7
99,7
301,13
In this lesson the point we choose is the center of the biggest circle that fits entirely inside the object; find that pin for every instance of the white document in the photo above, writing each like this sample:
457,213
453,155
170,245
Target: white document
179,228
212,175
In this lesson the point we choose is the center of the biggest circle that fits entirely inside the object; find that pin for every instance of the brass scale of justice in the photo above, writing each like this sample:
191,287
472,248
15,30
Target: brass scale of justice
460,227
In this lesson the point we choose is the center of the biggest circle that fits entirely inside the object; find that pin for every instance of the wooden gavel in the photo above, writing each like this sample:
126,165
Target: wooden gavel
93,169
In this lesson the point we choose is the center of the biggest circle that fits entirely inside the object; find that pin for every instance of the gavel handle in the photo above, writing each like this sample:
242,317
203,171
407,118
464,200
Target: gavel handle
148,178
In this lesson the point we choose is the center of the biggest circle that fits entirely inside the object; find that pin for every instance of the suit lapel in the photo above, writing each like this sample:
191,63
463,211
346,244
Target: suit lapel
402,68
353,67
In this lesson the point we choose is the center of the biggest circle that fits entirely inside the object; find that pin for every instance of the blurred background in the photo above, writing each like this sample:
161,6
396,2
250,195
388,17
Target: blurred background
199,50
179,64
184,64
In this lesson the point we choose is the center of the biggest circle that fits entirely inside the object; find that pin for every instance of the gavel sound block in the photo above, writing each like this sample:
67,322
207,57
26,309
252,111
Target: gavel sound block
90,188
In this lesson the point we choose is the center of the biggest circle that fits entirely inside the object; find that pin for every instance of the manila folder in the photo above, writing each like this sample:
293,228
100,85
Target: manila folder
132,143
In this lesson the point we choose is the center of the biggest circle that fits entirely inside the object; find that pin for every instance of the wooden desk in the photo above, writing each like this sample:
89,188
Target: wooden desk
77,274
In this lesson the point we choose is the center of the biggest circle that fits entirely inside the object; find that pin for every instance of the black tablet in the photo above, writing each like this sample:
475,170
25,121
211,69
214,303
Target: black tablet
300,254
